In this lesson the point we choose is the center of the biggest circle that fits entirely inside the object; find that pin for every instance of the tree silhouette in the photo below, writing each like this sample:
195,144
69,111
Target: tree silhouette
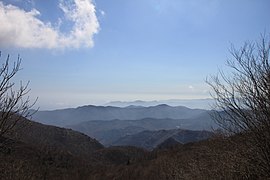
14,102
243,98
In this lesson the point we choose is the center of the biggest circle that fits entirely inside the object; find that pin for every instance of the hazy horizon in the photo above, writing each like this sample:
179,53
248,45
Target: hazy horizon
81,52
204,103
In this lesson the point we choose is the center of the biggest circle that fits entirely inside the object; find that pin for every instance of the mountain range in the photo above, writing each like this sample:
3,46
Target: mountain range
71,116
190,103
110,125
109,132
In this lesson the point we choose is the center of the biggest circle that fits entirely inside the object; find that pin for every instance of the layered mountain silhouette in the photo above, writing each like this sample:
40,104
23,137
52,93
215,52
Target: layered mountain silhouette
153,139
108,132
190,103
110,124
72,116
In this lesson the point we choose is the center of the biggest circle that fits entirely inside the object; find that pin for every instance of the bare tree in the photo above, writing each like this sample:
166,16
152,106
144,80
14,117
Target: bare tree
14,102
243,98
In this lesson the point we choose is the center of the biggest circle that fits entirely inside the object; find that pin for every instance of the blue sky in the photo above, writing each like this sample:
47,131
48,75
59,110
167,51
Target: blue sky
80,52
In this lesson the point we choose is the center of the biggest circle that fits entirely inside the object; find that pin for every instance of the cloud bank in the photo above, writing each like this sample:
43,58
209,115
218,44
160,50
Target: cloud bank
25,30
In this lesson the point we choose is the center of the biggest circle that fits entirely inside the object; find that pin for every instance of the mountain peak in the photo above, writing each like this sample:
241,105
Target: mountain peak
162,105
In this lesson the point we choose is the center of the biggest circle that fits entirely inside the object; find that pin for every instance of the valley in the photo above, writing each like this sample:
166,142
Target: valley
110,125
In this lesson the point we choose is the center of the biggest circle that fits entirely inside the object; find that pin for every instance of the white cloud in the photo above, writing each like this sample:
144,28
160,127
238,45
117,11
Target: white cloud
24,29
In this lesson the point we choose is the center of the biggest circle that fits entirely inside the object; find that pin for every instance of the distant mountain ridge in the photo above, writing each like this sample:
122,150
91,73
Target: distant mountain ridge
71,116
190,103
108,124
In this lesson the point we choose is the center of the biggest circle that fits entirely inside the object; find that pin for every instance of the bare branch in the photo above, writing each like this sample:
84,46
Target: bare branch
14,103
243,98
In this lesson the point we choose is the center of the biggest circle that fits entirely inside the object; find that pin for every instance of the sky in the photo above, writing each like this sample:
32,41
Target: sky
77,52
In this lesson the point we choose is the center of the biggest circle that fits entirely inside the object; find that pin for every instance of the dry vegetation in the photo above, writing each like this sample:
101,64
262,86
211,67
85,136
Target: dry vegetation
216,158
244,99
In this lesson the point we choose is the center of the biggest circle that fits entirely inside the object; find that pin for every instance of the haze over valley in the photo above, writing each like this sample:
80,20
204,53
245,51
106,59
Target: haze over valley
109,124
